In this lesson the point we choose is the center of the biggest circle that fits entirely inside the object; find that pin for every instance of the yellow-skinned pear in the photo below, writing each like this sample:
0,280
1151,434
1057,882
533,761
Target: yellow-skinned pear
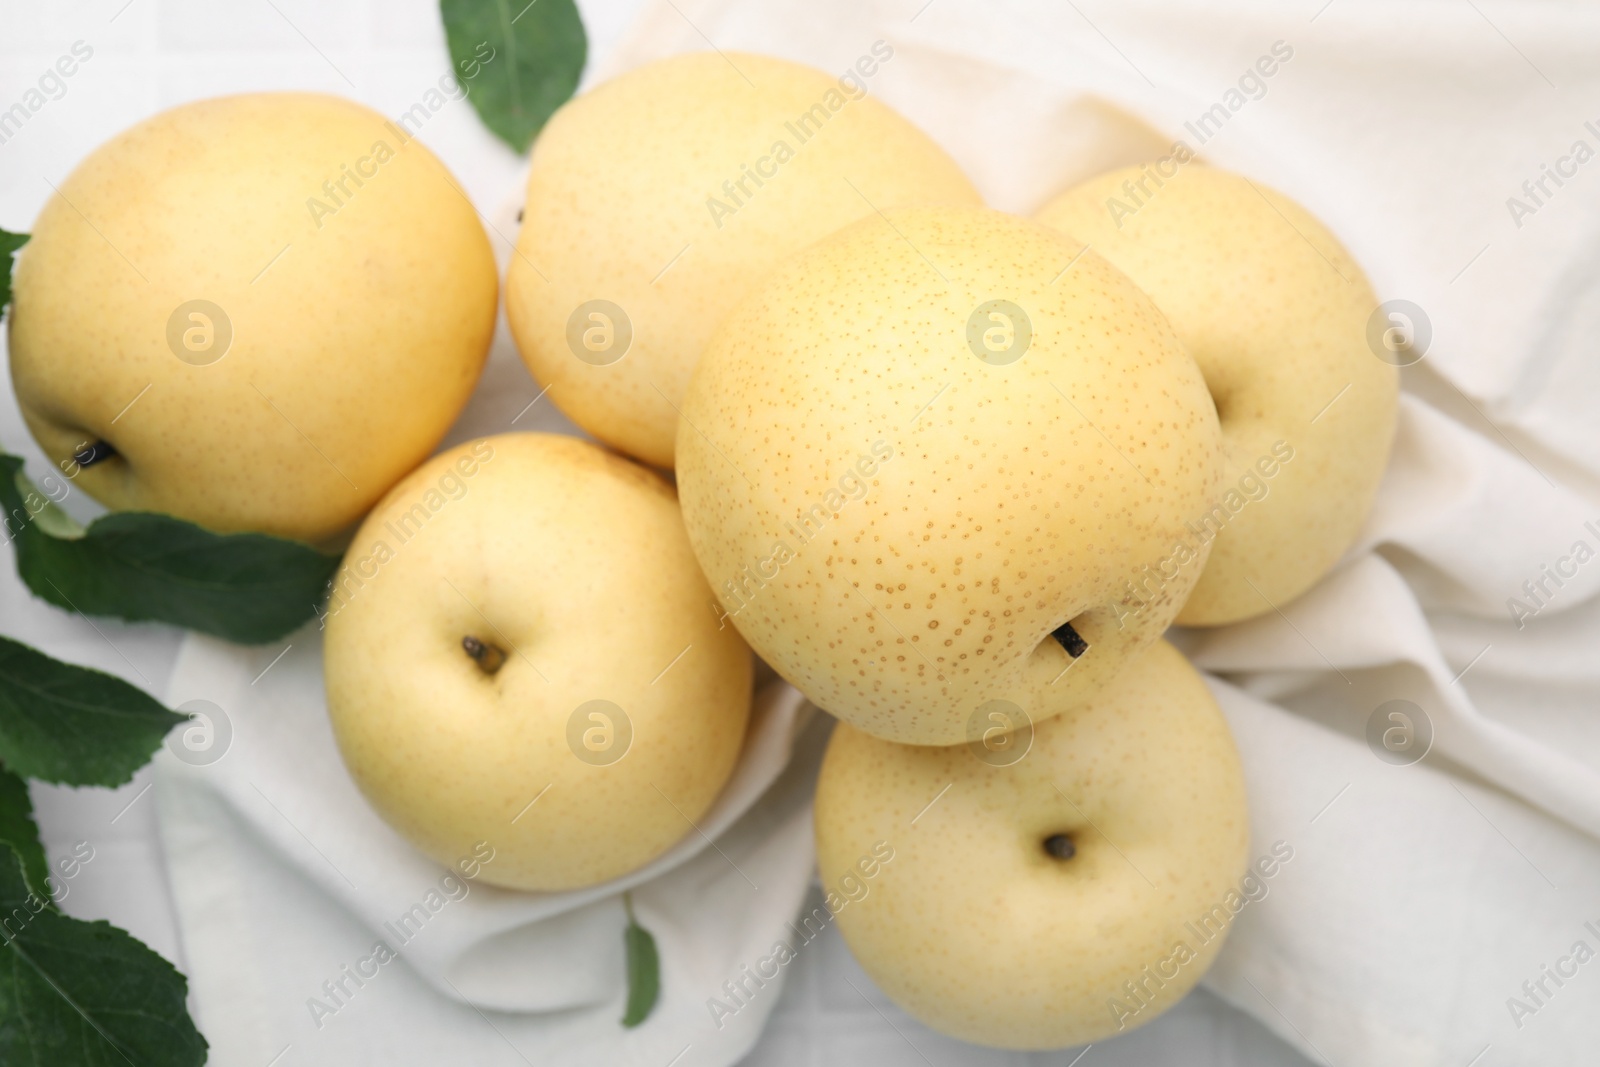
921,464
1049,895
656,200
519,652
1277,314
254,312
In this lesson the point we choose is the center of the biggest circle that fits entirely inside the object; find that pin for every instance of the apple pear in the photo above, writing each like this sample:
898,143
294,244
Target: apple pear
1277,314
922,463
255,312
657,199
519,650
1051,886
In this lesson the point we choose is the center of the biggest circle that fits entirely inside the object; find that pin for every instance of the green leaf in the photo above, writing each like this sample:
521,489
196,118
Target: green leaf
518,60
133,565
20,833
644,969
84,993
9,243
72,725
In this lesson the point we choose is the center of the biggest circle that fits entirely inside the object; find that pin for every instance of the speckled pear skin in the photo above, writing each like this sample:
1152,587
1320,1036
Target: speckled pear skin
619,207
981,934
1275,311
1015,497
573,561
359,327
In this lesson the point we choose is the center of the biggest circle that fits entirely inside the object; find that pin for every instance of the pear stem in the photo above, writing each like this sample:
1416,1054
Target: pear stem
1060,846
1075,645
488,658
90,454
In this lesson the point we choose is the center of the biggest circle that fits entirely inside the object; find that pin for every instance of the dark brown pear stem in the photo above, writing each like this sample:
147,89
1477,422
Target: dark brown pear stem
1075,645
488,658
90,454
1060,846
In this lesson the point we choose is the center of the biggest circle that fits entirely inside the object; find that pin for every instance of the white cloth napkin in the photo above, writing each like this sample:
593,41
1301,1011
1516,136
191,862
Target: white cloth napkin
1424,903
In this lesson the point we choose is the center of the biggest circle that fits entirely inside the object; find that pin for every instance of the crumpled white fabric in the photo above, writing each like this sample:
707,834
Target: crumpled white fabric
278,796
1423,903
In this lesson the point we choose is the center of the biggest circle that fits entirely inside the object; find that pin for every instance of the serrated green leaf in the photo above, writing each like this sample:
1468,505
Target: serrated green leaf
644,969
21,833
9,243
72,725
84,993
518,60
140,566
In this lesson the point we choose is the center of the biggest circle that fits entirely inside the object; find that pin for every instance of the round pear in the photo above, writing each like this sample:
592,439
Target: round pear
923,462
520,651
1051,886
658,199
256,313
1290,338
